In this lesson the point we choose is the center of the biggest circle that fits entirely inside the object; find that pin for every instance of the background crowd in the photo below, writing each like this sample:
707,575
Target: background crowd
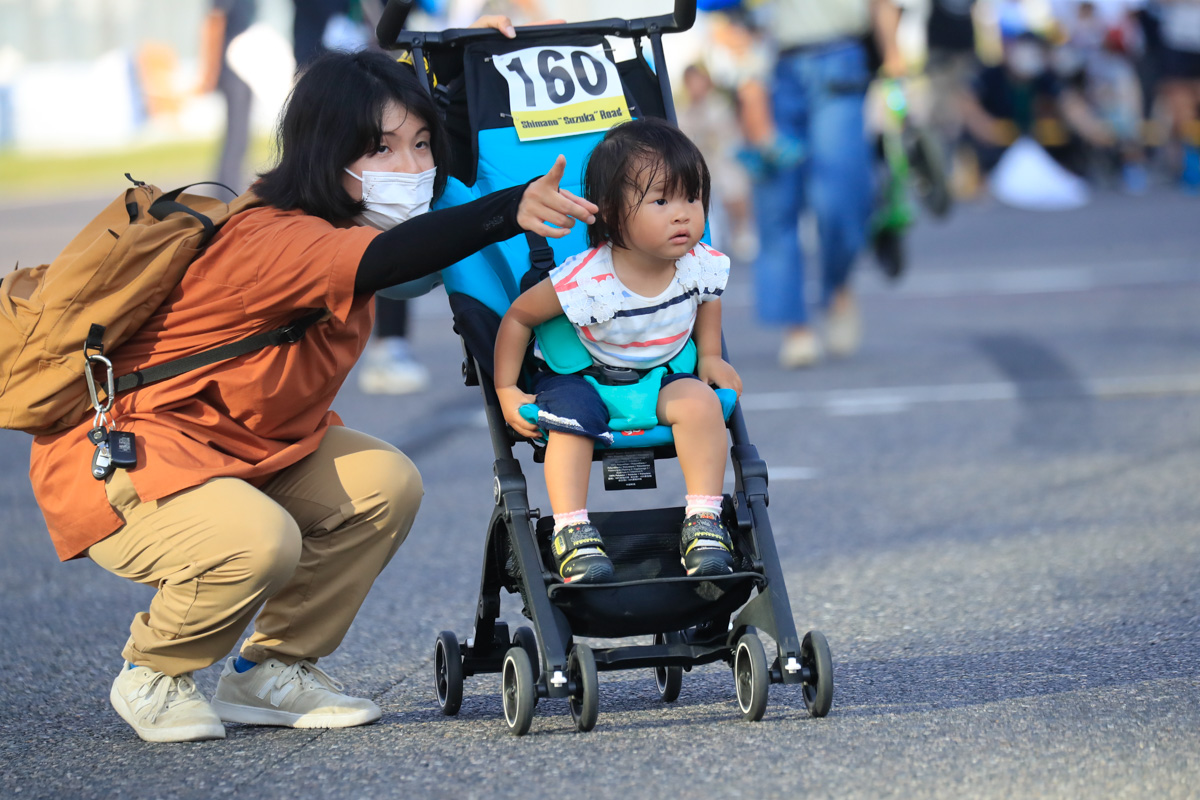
796,104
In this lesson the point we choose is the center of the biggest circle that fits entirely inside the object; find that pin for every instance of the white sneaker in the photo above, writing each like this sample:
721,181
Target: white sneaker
162,708
800,349
843,330
296,696
389,368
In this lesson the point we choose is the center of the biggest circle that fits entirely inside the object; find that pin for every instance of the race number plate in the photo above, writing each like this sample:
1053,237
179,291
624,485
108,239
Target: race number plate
562,91
628,469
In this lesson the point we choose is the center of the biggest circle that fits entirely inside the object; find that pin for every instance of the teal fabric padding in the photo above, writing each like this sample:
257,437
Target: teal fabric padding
560,346
632,407
658,435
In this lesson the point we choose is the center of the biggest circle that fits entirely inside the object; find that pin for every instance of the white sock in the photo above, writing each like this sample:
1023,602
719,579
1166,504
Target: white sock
702,503
570,518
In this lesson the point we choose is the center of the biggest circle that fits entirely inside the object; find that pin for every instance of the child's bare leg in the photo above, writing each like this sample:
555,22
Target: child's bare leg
578,549
693,411
568,467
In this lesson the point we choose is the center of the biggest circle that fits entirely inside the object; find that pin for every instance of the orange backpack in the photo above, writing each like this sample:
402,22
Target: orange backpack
57,318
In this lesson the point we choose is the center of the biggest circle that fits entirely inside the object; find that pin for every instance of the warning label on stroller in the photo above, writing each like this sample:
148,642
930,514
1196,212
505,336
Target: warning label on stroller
629,469
562,91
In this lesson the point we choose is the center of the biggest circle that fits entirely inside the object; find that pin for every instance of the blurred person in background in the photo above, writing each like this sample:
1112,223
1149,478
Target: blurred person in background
311,25
226,20
710,120
1179,27
817,95
951,66
388,364
1096,58
1022,96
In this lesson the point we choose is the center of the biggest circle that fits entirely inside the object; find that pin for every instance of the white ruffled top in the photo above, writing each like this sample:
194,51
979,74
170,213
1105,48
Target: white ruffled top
622,328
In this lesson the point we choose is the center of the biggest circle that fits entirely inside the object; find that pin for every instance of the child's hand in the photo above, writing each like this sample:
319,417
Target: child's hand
718,372
543,202
511,400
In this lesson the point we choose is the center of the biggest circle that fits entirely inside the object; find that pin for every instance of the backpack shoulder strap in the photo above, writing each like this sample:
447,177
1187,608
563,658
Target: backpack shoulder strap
288,334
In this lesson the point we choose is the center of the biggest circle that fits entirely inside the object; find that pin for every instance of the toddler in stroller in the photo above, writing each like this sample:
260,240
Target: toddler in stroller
636,298
512,105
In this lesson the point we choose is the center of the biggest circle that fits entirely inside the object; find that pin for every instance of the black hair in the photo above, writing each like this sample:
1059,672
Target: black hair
333,117
629,159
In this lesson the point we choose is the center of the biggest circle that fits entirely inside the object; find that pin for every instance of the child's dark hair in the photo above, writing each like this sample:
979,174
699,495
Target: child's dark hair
629,159
333,117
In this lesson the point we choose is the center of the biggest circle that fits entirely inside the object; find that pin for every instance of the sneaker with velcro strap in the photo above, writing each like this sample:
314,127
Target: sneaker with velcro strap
705,548
579,554
299,695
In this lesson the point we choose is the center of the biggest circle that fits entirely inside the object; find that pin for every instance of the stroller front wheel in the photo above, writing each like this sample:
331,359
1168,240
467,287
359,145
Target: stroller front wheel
584,701
818,688
750,676
517,691
668,679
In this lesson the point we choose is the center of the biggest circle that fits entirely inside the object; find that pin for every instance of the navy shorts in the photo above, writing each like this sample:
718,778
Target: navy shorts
570,404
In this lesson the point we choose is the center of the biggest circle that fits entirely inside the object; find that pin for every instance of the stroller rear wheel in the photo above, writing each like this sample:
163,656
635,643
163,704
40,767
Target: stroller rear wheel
815,658
448,673
584,701
751,677
669,679
517,690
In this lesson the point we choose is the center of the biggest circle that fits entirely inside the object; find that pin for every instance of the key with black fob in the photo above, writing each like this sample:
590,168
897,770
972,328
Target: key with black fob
122,449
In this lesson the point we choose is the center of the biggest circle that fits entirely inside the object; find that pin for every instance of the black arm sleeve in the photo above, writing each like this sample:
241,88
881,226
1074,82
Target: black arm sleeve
437,239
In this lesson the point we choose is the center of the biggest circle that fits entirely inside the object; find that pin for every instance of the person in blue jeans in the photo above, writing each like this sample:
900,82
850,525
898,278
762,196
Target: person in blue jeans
817,93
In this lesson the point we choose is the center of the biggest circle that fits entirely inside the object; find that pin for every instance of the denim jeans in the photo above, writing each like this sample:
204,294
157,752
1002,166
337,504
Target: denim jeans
818,99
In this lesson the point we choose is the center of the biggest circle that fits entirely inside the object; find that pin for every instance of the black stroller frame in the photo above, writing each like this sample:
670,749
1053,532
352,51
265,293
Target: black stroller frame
693,620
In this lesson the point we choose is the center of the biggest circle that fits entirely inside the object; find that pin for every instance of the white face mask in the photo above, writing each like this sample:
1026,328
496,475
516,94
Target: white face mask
393,197
1026,60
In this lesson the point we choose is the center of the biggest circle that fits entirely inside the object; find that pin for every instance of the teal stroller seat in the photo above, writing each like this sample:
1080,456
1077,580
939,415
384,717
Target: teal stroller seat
511,107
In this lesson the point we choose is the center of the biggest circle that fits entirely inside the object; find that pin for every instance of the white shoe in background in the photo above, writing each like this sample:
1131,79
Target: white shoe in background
843,329
800,349
388,367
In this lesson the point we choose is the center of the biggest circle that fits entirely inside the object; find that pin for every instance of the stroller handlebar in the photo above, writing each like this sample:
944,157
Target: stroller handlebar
391,35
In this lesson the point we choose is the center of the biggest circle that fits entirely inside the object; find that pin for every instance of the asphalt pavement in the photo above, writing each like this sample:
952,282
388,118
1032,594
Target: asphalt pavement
991,512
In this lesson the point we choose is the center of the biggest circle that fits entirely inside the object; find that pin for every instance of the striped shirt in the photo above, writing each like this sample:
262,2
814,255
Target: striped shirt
624,329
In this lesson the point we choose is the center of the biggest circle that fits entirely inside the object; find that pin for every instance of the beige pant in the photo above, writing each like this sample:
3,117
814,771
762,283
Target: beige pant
305,548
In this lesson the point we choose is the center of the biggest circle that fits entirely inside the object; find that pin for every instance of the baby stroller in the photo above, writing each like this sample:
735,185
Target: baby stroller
505,96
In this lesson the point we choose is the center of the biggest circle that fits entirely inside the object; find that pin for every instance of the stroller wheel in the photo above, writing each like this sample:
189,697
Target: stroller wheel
584,701
750,677
517,691
669,679
525,638
448,672
818,687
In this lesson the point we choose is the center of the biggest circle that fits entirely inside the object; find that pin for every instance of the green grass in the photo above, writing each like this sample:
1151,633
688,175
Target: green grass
47,174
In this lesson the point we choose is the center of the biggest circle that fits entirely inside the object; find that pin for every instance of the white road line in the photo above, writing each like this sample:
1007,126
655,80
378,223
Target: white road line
890,400
1030,279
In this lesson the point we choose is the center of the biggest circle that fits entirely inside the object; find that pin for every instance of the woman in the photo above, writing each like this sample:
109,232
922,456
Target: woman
248,494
